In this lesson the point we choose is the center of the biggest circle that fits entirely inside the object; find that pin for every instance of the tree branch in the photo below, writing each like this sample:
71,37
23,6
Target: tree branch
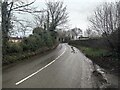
23,5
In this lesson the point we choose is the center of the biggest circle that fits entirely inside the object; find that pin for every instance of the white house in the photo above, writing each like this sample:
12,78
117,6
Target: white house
76,33
15,39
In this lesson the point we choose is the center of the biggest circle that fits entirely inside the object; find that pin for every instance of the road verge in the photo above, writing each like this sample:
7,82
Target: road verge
101,75
27,55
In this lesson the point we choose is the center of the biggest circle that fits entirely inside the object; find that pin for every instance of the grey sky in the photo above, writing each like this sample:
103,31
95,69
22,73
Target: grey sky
78,10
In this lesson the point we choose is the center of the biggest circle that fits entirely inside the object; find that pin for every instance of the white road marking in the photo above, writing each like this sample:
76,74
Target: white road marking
19,82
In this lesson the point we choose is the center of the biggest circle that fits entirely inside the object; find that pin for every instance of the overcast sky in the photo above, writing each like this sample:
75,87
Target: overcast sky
78,10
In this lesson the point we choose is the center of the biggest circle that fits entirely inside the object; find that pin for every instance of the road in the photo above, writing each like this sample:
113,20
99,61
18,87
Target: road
60,68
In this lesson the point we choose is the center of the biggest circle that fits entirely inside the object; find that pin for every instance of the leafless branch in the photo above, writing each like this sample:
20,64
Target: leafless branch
58,14
23,5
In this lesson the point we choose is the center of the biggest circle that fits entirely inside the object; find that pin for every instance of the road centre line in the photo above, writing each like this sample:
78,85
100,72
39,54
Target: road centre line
24,79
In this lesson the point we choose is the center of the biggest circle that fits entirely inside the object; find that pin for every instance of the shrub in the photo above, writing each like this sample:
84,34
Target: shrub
48,40
14,48
38,30
40,41
9,59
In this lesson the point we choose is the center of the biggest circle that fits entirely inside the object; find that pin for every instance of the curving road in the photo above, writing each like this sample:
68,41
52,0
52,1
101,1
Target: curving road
60,68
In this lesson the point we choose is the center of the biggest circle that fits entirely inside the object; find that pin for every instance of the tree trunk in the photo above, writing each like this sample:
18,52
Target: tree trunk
4,27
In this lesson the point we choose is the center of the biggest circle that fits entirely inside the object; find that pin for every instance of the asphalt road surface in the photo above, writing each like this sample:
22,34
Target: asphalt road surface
61,68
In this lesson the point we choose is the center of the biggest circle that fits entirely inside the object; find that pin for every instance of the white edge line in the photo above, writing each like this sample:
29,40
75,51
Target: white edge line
19,82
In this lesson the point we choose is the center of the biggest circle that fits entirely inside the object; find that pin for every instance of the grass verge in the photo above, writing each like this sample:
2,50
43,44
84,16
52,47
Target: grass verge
106,59
16,57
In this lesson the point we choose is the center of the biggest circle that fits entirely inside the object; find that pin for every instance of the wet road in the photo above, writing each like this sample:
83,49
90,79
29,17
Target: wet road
60,68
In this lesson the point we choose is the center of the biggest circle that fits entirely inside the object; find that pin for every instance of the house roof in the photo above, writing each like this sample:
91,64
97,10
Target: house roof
15,38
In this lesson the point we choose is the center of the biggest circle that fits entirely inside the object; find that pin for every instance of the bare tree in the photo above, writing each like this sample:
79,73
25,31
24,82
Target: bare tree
118,9
39,20
9,7
88,32
105,20
42,20
57,14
